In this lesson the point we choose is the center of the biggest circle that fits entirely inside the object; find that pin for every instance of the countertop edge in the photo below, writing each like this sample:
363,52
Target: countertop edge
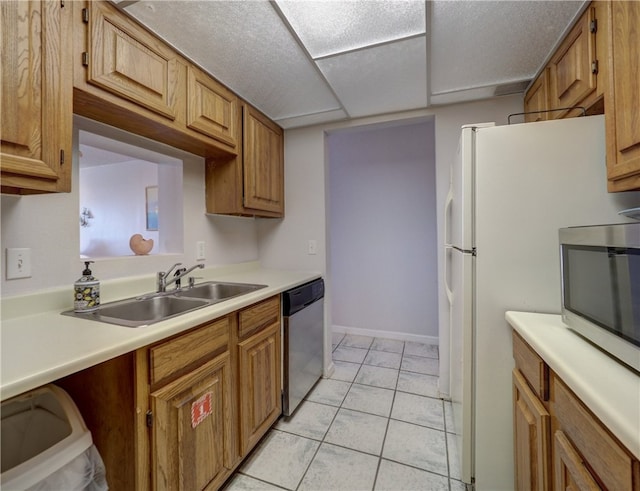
588,372
96,342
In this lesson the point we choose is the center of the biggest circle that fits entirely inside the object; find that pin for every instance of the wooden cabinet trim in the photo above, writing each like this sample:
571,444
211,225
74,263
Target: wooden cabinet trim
180,354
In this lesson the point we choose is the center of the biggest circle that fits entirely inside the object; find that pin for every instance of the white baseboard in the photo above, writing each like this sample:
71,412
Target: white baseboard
328,372
400,336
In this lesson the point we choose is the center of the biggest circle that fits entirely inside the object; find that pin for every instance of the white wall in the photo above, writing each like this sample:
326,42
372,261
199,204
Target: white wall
383,259
283,244
118,207
49,226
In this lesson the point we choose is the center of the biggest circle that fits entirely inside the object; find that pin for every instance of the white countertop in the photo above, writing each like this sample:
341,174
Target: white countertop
610,390
38,345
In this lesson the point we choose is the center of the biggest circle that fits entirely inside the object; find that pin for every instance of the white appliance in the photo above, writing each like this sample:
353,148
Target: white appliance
512,188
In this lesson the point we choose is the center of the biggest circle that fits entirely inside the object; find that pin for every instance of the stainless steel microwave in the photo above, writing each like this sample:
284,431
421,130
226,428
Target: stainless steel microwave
600,268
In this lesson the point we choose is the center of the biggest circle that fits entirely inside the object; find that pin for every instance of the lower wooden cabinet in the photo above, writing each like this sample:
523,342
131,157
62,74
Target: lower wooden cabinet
570,469
559,444
259,376
181,414
531,422
191,431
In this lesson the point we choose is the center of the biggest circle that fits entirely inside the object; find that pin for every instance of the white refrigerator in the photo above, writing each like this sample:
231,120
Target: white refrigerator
512,188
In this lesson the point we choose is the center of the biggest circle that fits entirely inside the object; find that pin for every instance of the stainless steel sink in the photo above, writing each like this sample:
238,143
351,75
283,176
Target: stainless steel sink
156,307
215,291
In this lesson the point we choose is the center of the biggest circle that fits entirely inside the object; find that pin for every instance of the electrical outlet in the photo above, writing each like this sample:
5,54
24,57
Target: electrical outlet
200,254
313,247
18,263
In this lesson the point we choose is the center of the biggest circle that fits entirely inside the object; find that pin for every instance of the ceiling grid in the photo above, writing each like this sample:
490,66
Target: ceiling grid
305,62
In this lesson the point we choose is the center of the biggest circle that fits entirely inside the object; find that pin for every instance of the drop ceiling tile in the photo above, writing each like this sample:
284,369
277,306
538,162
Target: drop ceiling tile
311,119
386,78
478,44
330,27
247,47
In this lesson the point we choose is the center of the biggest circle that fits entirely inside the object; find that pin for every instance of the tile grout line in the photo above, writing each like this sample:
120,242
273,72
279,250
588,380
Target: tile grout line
340,407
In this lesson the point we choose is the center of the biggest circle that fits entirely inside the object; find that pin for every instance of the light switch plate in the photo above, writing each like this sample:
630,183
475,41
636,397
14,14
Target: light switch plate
18,263
313,247
200,254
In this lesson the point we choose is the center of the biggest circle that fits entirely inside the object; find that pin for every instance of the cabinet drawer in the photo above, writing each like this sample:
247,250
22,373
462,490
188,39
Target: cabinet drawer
183,353
604,456
257,317
534,369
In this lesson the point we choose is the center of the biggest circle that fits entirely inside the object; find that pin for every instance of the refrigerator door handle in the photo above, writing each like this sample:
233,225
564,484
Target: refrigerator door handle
447,216
447,288
447,244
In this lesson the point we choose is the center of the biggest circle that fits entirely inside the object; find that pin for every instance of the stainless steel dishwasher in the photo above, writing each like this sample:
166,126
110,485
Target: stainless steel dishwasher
303,311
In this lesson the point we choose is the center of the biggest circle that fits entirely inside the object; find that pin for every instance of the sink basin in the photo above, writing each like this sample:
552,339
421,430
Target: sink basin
216,291
142,311
148,309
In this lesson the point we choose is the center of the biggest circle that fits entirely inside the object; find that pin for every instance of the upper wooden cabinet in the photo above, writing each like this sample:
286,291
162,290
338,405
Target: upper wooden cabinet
574,68
622,115
36,116
125,76
263,163
597,67
129,62
536,101
212,109
253,183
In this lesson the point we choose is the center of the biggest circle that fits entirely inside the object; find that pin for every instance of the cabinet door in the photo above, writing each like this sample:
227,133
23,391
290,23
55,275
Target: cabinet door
570,471
263,163
622,114
129,62
572,75
36,116
191,429
211,108
536,100
531,437
260,394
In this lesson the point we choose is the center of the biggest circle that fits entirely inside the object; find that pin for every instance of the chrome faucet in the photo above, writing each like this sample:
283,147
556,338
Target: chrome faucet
163,278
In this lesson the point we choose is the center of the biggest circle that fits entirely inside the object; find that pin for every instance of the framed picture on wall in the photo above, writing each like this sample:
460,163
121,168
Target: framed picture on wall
152,207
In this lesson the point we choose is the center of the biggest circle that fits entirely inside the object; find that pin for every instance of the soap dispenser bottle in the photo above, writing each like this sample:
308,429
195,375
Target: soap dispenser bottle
87,291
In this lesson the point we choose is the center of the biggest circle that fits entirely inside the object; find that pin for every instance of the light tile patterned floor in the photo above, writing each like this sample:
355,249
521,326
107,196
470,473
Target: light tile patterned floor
376,424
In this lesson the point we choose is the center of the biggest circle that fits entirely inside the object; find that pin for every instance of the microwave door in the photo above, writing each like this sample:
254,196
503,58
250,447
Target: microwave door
625,286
